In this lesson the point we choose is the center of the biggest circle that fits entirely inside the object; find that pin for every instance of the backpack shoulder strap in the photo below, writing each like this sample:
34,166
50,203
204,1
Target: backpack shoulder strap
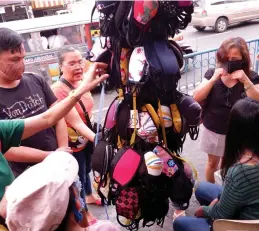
89,124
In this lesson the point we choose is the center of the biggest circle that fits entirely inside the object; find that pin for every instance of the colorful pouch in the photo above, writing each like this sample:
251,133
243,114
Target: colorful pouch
169,166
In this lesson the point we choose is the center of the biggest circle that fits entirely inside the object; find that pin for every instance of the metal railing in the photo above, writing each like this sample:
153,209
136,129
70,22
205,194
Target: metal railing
196,65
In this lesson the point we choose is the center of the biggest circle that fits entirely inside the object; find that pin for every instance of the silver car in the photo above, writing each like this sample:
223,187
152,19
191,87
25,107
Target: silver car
219,14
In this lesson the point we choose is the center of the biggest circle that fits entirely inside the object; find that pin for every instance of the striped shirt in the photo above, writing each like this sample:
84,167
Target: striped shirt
240,196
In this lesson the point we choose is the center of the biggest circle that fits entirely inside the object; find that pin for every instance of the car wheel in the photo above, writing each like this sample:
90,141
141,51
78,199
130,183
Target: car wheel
221,25
200,28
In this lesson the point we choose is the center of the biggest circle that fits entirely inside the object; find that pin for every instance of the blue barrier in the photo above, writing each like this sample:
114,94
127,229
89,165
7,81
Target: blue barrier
196,65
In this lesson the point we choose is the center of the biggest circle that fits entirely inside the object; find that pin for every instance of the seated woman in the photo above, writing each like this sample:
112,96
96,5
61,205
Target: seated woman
239,198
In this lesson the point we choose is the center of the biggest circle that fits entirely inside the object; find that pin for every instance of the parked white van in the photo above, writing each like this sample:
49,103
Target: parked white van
219,14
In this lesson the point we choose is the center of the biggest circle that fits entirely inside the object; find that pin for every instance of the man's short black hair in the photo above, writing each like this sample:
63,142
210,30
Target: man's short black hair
10,40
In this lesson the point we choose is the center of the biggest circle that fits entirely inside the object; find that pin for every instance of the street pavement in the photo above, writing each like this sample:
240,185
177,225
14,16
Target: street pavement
201,41
208,39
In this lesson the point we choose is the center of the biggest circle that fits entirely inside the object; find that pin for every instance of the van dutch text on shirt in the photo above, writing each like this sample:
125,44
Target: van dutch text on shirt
32,104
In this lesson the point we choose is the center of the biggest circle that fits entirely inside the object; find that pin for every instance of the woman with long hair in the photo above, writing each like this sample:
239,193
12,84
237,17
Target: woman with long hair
230,81
239,197
79,119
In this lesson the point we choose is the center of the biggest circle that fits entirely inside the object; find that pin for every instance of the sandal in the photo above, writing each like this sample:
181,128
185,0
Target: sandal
92,222
181,214
97,201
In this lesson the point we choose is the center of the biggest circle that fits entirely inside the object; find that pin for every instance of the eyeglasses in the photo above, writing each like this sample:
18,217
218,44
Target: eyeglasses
73,65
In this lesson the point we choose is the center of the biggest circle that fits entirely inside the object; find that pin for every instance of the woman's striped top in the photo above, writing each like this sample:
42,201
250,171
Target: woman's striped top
240,196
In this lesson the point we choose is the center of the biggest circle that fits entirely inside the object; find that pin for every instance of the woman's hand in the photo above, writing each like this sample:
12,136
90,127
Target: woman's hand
199,212
95,75
218,74
215,201
240,76
65,149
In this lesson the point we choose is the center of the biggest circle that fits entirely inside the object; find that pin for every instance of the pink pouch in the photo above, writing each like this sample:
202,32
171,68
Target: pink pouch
125,165
110,119
169,166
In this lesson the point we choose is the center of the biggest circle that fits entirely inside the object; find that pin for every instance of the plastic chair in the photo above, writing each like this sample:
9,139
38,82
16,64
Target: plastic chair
227,225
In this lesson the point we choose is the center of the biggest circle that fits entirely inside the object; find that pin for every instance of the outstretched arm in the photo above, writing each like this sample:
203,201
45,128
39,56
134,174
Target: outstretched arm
54,114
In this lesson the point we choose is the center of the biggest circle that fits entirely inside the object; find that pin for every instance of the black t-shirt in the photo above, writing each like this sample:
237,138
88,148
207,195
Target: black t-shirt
31,97
220,101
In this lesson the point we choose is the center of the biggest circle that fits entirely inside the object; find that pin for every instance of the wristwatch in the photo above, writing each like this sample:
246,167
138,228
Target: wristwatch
73,95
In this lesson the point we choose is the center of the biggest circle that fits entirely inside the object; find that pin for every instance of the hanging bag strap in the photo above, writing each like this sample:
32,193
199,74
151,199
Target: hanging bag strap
88,121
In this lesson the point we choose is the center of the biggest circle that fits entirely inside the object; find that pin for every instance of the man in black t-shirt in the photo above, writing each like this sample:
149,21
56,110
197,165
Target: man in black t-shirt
24,95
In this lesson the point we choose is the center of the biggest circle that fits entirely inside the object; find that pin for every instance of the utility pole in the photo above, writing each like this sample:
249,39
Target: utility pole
28,9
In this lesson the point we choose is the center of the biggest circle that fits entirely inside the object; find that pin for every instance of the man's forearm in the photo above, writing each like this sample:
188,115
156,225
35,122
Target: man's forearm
61,133
25,154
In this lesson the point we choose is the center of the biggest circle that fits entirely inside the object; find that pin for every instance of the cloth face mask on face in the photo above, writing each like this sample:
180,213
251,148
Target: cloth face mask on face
232,66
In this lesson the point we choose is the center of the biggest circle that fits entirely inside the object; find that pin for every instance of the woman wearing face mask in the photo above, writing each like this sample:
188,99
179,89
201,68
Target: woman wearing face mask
81,137
230,81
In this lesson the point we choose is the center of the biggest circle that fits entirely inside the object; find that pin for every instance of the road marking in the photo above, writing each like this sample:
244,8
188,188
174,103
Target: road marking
96,111
227,32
